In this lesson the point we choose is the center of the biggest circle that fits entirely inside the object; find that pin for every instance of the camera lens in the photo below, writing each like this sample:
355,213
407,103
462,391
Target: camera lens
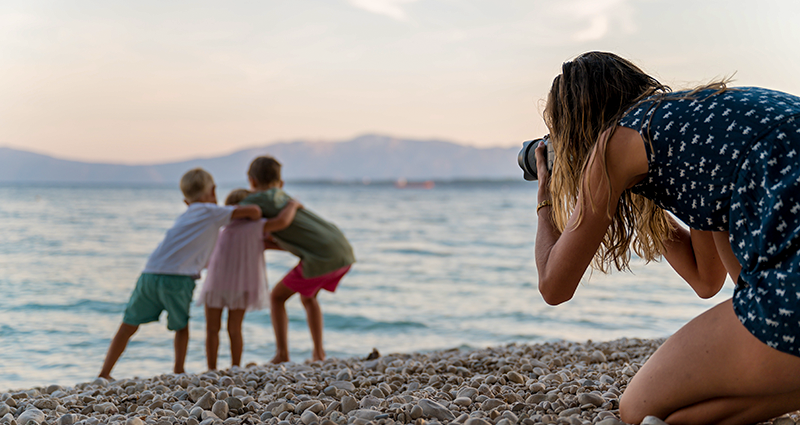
527,160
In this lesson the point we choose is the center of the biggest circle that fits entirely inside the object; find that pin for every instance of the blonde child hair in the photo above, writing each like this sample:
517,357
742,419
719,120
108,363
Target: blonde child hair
236,196
195,183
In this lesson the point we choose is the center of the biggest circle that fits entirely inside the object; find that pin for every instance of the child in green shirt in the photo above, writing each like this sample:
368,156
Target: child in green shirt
324,252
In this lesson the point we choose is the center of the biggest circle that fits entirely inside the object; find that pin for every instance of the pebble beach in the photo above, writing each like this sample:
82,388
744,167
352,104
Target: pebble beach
548,383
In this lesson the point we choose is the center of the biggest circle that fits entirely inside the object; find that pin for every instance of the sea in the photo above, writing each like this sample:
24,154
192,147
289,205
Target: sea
440,266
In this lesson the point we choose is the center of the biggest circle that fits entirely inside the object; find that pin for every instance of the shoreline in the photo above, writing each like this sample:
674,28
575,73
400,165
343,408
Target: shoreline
517,384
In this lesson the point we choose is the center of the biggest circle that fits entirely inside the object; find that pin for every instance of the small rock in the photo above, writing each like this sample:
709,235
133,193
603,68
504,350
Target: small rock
308,417
416,412
783,420
365,414
234,403
477,421
611,421
515,377
344,375
591,398
220,408
462,401
31,417
433,409
134,421
206,402
652,420
67,419
344,385
349,403
491,403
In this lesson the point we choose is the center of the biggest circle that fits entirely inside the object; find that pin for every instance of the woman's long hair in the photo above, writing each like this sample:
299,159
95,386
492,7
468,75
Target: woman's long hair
590,96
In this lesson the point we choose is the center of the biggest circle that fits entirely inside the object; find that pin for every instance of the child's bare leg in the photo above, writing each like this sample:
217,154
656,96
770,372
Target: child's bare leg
314,318
235,318
117,346
181,345
213,320
280,321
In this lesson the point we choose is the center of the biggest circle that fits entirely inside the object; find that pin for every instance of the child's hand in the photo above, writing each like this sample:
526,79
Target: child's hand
294,204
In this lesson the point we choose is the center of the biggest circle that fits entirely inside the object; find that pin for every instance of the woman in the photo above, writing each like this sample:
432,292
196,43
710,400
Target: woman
727,163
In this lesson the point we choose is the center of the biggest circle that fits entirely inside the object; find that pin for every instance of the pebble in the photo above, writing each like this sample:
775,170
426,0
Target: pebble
550,383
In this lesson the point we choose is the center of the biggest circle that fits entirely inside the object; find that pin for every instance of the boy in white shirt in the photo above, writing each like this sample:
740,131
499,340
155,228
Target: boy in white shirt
168,279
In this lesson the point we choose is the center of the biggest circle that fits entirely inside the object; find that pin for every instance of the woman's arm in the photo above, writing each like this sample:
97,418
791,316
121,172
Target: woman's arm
693,254
284,218
562,259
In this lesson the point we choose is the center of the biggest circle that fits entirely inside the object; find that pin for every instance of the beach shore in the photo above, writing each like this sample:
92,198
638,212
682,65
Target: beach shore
548,383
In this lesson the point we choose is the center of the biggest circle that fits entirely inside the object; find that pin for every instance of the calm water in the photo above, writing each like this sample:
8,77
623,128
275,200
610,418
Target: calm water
441,268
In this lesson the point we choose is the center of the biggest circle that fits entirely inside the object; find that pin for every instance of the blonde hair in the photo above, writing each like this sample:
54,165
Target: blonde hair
195,183
590,96
236,196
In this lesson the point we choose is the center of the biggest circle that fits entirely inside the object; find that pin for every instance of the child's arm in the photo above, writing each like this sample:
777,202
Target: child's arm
270,243
252,212
284,218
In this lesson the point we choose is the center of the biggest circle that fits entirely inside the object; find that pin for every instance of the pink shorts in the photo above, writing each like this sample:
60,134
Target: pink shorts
295,281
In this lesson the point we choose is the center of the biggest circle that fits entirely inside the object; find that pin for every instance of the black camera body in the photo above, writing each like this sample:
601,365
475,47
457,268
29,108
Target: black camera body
527,157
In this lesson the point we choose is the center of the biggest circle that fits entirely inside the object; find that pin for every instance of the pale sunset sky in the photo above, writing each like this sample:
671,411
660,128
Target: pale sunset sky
156,81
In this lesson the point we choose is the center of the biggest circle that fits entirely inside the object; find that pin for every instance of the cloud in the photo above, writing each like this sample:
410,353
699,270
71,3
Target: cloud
390,8
596,18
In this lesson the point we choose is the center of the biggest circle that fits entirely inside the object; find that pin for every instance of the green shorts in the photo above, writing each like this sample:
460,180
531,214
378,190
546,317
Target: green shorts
155,293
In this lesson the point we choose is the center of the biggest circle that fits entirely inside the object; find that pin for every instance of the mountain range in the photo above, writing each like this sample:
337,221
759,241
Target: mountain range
365,158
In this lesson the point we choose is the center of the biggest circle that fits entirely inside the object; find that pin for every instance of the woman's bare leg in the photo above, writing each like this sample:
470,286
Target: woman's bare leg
235,318
280,321
314,318
213,323
713,370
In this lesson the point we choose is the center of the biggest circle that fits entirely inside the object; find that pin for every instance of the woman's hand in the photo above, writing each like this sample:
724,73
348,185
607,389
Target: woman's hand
542,171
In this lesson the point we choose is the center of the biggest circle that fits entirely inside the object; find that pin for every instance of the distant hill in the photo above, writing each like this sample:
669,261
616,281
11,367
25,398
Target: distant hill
372,157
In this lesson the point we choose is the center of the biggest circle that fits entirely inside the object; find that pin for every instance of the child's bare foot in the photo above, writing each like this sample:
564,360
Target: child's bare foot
318,357
106,376
279,359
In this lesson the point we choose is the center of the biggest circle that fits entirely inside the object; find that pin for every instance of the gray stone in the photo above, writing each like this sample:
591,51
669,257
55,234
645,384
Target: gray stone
45,403
365,414
492,403
462,401
468,392
611,421
433,409
477,421
344,385
344,375
67,419
234,403
134,421
591,398
206,401
308,417
652,420
31,417
349,403
515,377
220,408
369,402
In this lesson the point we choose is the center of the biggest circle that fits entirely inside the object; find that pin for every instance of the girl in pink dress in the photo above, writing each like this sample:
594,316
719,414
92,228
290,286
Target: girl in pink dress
236,277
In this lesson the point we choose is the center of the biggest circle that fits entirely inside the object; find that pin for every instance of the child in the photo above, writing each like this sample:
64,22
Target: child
167,281
236,276
325,256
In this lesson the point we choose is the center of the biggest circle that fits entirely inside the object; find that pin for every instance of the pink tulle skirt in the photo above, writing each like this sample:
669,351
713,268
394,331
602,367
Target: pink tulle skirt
237,277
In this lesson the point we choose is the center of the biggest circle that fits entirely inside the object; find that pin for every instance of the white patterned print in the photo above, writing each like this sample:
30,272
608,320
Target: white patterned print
731,162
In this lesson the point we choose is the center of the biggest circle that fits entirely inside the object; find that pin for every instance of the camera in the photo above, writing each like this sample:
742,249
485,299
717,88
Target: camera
527,157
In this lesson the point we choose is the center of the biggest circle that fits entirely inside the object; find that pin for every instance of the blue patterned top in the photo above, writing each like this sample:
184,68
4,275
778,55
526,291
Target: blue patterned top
697,146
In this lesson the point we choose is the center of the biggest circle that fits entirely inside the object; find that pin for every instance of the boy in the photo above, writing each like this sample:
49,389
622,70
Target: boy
325,256
168,278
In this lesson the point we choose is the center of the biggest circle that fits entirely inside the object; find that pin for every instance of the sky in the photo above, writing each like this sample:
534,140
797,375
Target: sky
159,81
